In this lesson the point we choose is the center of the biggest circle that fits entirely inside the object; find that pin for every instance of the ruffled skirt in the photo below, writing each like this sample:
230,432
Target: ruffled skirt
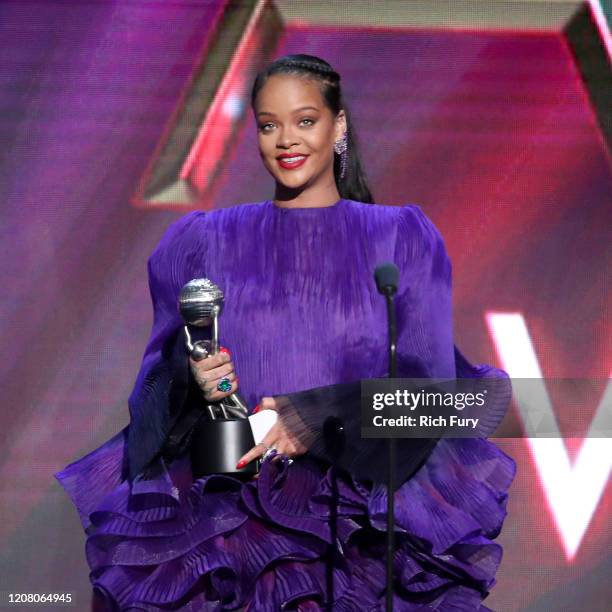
299,537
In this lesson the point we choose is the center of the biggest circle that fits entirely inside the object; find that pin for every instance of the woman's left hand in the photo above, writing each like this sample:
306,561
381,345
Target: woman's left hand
277,436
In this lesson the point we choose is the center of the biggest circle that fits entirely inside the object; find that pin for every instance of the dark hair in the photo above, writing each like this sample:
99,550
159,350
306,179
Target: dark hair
354,184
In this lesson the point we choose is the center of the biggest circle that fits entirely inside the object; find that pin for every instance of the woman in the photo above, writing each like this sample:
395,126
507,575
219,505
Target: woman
301,313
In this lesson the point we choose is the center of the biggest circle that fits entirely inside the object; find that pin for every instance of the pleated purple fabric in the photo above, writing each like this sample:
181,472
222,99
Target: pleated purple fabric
301,311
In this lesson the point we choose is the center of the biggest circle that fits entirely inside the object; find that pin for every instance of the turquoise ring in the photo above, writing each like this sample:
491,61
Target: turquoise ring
224,384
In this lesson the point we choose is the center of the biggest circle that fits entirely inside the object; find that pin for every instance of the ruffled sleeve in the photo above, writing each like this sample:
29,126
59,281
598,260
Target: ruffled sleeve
162,384
161,394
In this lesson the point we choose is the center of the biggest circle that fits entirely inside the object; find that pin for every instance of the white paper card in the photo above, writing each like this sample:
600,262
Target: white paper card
261,422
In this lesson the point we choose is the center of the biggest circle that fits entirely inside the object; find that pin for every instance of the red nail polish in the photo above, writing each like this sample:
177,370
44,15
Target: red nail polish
224,350
256,409
240,464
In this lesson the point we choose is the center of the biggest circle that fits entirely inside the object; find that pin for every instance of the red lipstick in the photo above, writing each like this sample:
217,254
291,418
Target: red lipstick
290,161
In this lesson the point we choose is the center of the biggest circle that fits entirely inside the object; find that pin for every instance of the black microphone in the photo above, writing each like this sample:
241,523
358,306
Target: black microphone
387,280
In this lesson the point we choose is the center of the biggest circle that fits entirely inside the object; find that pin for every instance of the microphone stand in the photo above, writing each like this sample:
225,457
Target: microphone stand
387,279
391,450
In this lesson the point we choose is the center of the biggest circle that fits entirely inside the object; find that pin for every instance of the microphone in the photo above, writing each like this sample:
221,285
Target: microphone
386,276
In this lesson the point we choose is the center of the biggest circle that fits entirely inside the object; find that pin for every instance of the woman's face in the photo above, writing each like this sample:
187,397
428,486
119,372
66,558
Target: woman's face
292,119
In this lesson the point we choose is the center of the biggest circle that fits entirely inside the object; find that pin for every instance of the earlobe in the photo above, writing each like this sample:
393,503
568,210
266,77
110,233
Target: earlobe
341,125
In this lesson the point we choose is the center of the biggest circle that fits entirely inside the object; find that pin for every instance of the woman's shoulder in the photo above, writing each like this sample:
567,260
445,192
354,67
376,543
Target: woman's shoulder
192,224
200,216
416,235
419,239
412,218
178,233
241,208
392,210
406,216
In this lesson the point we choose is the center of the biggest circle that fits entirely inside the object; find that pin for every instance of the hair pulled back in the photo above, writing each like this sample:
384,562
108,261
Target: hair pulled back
354,184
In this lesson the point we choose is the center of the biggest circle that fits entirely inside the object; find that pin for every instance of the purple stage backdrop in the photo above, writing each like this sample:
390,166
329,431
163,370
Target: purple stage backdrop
492,133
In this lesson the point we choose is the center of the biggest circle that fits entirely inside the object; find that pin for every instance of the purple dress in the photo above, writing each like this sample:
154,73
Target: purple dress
301,311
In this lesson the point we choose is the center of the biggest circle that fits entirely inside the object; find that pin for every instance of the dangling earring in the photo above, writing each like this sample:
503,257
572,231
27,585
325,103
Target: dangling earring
341,147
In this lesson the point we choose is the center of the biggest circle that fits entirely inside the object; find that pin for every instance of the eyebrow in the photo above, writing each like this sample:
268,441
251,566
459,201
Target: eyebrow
297,110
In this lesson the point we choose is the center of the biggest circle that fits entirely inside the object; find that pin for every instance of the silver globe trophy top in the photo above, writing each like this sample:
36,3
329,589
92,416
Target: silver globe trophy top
200,301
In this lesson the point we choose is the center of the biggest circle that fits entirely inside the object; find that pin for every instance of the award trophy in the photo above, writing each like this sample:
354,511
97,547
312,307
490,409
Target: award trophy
224,435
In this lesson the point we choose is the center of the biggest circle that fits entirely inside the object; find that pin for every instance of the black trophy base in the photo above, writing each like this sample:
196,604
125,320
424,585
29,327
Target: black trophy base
217,445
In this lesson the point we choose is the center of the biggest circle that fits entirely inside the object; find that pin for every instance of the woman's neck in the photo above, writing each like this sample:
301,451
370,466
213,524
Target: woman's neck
307,199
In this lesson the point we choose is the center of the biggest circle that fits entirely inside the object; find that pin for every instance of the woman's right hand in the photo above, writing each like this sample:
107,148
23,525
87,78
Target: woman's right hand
210,370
